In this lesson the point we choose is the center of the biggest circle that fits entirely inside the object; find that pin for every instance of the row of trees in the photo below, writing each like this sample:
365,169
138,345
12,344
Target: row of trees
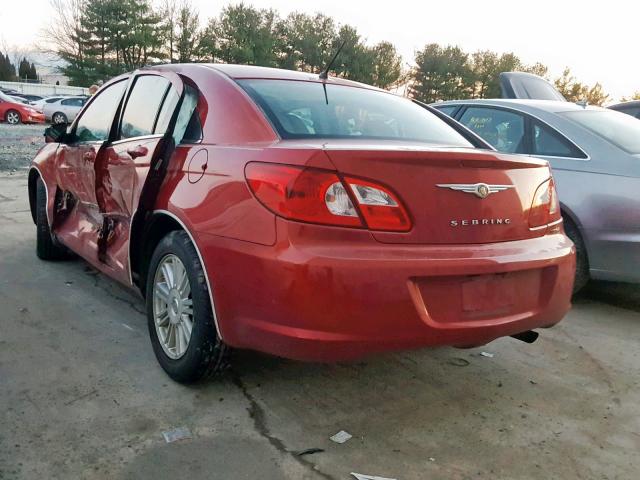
26,70
99,39
448,73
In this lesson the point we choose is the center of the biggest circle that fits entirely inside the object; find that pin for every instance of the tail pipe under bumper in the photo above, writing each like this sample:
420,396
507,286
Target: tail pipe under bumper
527,337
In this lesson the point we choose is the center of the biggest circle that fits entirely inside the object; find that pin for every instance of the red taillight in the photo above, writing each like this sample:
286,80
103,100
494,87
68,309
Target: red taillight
379,206
544,208
320,196
300,193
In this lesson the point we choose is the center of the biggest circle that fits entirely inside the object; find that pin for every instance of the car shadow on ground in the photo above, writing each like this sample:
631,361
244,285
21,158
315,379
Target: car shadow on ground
617,294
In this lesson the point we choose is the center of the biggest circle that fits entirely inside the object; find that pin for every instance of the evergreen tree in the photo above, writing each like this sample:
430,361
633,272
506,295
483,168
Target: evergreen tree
442,73
7,69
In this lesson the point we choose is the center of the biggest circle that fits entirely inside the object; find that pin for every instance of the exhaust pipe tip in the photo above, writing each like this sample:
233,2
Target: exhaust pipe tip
527,337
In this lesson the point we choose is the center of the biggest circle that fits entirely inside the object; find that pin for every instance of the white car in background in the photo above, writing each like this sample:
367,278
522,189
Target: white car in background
39,105
63,110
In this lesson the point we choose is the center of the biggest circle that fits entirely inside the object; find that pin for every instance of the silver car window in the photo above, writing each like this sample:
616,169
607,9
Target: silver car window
618,128
548,142
502,129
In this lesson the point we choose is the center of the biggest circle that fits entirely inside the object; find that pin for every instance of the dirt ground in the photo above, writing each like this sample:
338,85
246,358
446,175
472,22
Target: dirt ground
82,397
18,145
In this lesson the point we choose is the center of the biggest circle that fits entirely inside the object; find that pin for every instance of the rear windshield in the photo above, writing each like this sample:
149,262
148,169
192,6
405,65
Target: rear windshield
300,109
618,128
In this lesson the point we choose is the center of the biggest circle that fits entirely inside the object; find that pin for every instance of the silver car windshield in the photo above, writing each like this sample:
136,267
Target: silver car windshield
620,129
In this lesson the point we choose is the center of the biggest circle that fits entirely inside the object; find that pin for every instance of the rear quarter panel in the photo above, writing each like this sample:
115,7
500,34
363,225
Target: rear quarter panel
601,194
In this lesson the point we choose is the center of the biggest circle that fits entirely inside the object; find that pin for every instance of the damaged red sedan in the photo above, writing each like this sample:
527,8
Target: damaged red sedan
307,217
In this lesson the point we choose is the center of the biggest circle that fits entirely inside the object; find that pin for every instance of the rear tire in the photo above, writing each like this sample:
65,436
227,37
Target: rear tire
205,354
13,117
46,249
582,261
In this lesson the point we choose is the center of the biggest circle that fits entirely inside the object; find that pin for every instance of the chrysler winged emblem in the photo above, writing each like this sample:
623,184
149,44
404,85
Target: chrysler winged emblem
480,190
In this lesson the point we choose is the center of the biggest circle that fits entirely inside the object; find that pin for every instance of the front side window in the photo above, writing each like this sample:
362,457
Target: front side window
502,129
141,111
550,143
73,102
618,128
95,123
299,109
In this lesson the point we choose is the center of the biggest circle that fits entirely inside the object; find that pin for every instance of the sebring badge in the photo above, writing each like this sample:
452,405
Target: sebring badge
480,190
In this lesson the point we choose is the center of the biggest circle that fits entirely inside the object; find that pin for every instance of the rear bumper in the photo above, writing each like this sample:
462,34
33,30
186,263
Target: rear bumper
327,294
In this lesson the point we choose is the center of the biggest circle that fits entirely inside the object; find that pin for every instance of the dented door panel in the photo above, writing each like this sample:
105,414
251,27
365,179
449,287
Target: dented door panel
120,180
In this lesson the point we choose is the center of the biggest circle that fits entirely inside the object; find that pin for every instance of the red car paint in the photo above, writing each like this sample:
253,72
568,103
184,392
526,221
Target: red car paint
27,113
311,291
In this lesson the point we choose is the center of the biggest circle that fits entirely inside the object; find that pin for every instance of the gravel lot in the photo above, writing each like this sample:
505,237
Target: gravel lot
82,397
18,145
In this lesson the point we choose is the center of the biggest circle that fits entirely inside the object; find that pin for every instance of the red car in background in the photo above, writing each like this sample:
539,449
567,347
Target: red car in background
14,112
307,217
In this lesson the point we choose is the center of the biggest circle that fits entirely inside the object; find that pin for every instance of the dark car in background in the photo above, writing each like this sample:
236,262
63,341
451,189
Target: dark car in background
630,108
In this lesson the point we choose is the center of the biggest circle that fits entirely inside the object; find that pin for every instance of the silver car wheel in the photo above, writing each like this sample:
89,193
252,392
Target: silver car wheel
13,118
59,118
172,306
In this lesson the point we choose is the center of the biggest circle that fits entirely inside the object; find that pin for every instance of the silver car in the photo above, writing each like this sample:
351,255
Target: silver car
63,110
595,156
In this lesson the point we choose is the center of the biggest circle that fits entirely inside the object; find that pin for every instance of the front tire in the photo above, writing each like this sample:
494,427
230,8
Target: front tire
46,249
179,312
13,117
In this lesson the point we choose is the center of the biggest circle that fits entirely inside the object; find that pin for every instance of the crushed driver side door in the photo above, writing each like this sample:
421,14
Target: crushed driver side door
157,107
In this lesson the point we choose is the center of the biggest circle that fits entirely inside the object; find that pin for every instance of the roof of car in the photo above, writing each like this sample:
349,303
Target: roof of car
546,105
252,71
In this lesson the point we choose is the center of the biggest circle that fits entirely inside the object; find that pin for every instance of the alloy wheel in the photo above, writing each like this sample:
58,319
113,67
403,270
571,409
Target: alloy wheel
59,118
13,118
172,306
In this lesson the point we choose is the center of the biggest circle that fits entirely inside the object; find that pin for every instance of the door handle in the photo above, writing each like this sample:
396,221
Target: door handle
89,156
139,151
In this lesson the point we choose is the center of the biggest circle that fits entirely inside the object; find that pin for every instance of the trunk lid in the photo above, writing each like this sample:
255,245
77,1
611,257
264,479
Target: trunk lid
442,190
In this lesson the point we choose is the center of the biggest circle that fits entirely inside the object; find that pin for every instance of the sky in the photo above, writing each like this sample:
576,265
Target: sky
599,41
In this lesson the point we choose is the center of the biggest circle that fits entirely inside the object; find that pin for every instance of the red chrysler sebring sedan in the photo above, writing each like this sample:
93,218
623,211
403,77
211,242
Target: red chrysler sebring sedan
311,218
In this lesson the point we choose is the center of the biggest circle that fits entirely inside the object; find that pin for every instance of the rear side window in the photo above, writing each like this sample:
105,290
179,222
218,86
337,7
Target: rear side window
621,130
447,110
502,129
95,122
143,105
188,128
299,109
550,143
